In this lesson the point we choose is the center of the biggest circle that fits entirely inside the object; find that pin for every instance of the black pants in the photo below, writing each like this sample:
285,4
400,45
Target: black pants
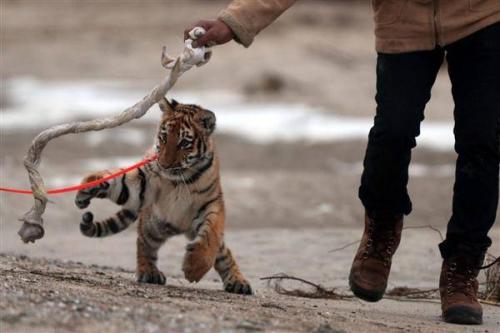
404,83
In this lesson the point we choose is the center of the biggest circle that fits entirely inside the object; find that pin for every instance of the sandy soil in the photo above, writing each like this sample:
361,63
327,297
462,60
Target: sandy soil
288,204
73,296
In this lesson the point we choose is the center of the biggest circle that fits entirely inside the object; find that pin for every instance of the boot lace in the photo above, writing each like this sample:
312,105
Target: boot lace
460,279
381,243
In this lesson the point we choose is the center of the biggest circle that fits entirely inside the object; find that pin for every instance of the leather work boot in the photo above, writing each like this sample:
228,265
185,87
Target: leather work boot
372,263
458,289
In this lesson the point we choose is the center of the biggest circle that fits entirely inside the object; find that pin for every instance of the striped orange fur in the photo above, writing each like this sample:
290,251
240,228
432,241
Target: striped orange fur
179,193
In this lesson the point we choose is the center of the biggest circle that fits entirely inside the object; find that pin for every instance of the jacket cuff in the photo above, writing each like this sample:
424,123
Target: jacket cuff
243,36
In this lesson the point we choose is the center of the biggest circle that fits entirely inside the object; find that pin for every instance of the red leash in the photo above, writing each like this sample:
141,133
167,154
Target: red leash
86,185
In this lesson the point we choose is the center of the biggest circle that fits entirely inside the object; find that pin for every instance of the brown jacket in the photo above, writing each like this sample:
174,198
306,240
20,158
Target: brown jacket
400,25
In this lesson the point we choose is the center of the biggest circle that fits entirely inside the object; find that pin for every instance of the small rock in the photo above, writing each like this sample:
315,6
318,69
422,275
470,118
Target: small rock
249,326
326,328
12,317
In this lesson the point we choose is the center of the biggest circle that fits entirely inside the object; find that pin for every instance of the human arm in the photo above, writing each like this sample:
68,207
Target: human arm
241,20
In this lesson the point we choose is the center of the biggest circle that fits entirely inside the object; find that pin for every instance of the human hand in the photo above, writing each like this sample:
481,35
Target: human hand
217,32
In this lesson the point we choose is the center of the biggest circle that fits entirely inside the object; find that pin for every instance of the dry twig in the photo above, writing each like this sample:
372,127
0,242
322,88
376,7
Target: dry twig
318,290
492,274
428,226
413,293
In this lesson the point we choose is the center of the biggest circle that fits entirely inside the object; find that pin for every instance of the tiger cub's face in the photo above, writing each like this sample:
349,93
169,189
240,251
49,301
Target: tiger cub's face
184,144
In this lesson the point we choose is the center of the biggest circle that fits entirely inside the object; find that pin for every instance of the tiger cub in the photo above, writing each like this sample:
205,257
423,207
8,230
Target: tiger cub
178,193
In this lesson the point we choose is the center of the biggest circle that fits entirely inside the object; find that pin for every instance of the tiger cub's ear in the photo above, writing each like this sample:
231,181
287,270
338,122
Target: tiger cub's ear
166,106
207,121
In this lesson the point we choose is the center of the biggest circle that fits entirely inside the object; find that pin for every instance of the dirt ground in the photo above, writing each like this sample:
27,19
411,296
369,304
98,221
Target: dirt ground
67,296
288,205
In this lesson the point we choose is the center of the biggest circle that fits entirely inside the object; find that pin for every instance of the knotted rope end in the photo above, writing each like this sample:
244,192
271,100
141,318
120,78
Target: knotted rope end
32,228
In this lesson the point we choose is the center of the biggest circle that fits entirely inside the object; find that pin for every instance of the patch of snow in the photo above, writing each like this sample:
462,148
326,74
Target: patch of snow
34,103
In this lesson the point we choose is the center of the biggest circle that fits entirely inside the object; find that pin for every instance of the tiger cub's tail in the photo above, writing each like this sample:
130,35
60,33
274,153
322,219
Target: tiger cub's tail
108,227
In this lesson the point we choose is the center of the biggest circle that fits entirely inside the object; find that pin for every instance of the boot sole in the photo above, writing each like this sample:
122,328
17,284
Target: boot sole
464,315
364,294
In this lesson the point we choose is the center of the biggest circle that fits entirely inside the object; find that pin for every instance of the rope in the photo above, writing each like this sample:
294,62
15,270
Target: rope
85,185
32,228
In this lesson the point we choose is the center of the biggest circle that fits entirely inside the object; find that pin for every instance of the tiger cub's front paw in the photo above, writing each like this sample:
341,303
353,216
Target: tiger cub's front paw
240,286
83,197
198,260
151,275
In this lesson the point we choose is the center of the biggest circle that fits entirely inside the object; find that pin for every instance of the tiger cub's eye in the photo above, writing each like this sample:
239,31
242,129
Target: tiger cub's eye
184,144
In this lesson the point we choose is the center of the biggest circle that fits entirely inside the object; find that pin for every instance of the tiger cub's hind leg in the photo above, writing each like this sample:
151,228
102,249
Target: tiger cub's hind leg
233,279
149,241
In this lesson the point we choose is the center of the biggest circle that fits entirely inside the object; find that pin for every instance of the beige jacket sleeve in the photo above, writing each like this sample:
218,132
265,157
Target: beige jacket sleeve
248,17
